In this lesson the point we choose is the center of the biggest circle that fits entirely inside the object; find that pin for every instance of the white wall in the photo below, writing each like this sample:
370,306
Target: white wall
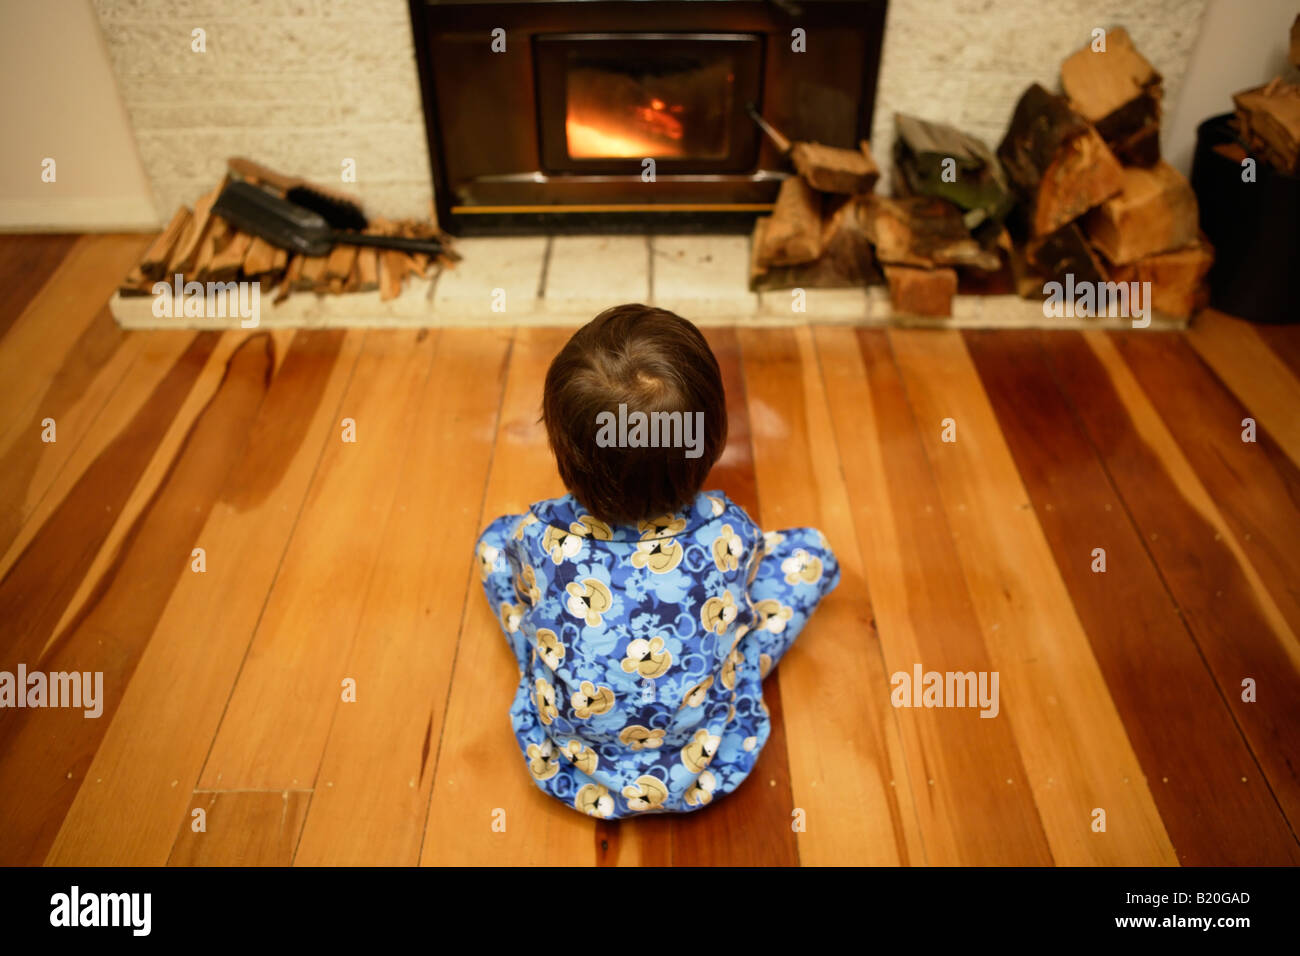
1242,44
966,62
60,101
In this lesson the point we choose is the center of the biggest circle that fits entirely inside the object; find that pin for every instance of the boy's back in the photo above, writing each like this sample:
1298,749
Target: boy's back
642,642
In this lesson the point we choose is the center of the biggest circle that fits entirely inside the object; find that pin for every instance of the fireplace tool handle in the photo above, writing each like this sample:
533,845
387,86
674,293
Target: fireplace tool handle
781,142
401,243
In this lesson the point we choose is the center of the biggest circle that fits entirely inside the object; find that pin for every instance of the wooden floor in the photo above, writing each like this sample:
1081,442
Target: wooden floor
1120,691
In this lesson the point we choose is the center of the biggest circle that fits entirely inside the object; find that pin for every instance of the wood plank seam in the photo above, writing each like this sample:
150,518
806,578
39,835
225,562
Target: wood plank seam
471,592
288,539
937,482
433,359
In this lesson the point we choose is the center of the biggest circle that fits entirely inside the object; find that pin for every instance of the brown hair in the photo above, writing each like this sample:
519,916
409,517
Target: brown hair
649,360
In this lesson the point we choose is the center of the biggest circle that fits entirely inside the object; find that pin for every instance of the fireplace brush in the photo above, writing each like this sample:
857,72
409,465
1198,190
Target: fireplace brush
288,226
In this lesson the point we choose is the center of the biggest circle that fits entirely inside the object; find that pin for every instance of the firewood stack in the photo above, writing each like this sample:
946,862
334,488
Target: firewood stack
829,230
1096,199
1077,186
200,246
815,235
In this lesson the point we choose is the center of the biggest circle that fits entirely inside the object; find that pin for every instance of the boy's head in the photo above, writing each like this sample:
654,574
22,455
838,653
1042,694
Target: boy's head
635,412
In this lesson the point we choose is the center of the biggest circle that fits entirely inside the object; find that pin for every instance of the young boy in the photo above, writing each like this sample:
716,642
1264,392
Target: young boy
643,613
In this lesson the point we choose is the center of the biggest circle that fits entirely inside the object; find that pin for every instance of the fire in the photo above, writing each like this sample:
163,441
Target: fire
651,130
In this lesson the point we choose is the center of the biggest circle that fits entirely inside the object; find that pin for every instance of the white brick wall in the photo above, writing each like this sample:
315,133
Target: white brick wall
299,85
966,62
302,84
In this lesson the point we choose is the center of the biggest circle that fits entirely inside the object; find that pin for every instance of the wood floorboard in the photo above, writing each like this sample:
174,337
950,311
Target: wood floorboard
326,560
153,752
26,264
1184,735
1237,625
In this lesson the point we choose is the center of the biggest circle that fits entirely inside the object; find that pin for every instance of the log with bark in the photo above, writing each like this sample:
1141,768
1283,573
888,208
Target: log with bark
1065,252
922,231
1155,212
1119,92
846,259
829,169
973,180
1057,162
1178,286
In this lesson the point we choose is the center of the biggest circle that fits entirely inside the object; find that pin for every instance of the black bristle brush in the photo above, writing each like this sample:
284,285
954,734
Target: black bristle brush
341,212
286,225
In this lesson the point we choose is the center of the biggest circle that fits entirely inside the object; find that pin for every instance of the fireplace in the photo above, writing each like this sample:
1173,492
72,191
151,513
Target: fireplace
596,114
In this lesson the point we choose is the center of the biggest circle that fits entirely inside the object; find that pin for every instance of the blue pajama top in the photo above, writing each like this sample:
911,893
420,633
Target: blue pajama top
642,649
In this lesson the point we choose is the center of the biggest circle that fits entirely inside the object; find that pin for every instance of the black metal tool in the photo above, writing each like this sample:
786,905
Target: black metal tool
288,226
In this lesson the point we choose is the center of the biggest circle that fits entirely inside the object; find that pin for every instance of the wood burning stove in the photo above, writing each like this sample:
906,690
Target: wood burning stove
605,113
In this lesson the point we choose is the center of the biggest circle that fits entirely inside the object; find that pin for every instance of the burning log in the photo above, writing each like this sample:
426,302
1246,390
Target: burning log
1058,163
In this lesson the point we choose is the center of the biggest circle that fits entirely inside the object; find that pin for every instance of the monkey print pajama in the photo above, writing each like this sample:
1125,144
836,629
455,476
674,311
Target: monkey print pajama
642,649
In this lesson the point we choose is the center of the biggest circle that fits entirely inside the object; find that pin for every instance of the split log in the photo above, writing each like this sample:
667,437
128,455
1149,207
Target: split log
1057,162
338,264
226,263
292,273
259,258
1119,92
136,283
367,270
1178,286
794,229
846,260
159,253
922,231
973,181
926,292
187,248
1268,118
1233,151
1027,282
1065,252
1154,213
313,275
834,170
393,266
215,238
